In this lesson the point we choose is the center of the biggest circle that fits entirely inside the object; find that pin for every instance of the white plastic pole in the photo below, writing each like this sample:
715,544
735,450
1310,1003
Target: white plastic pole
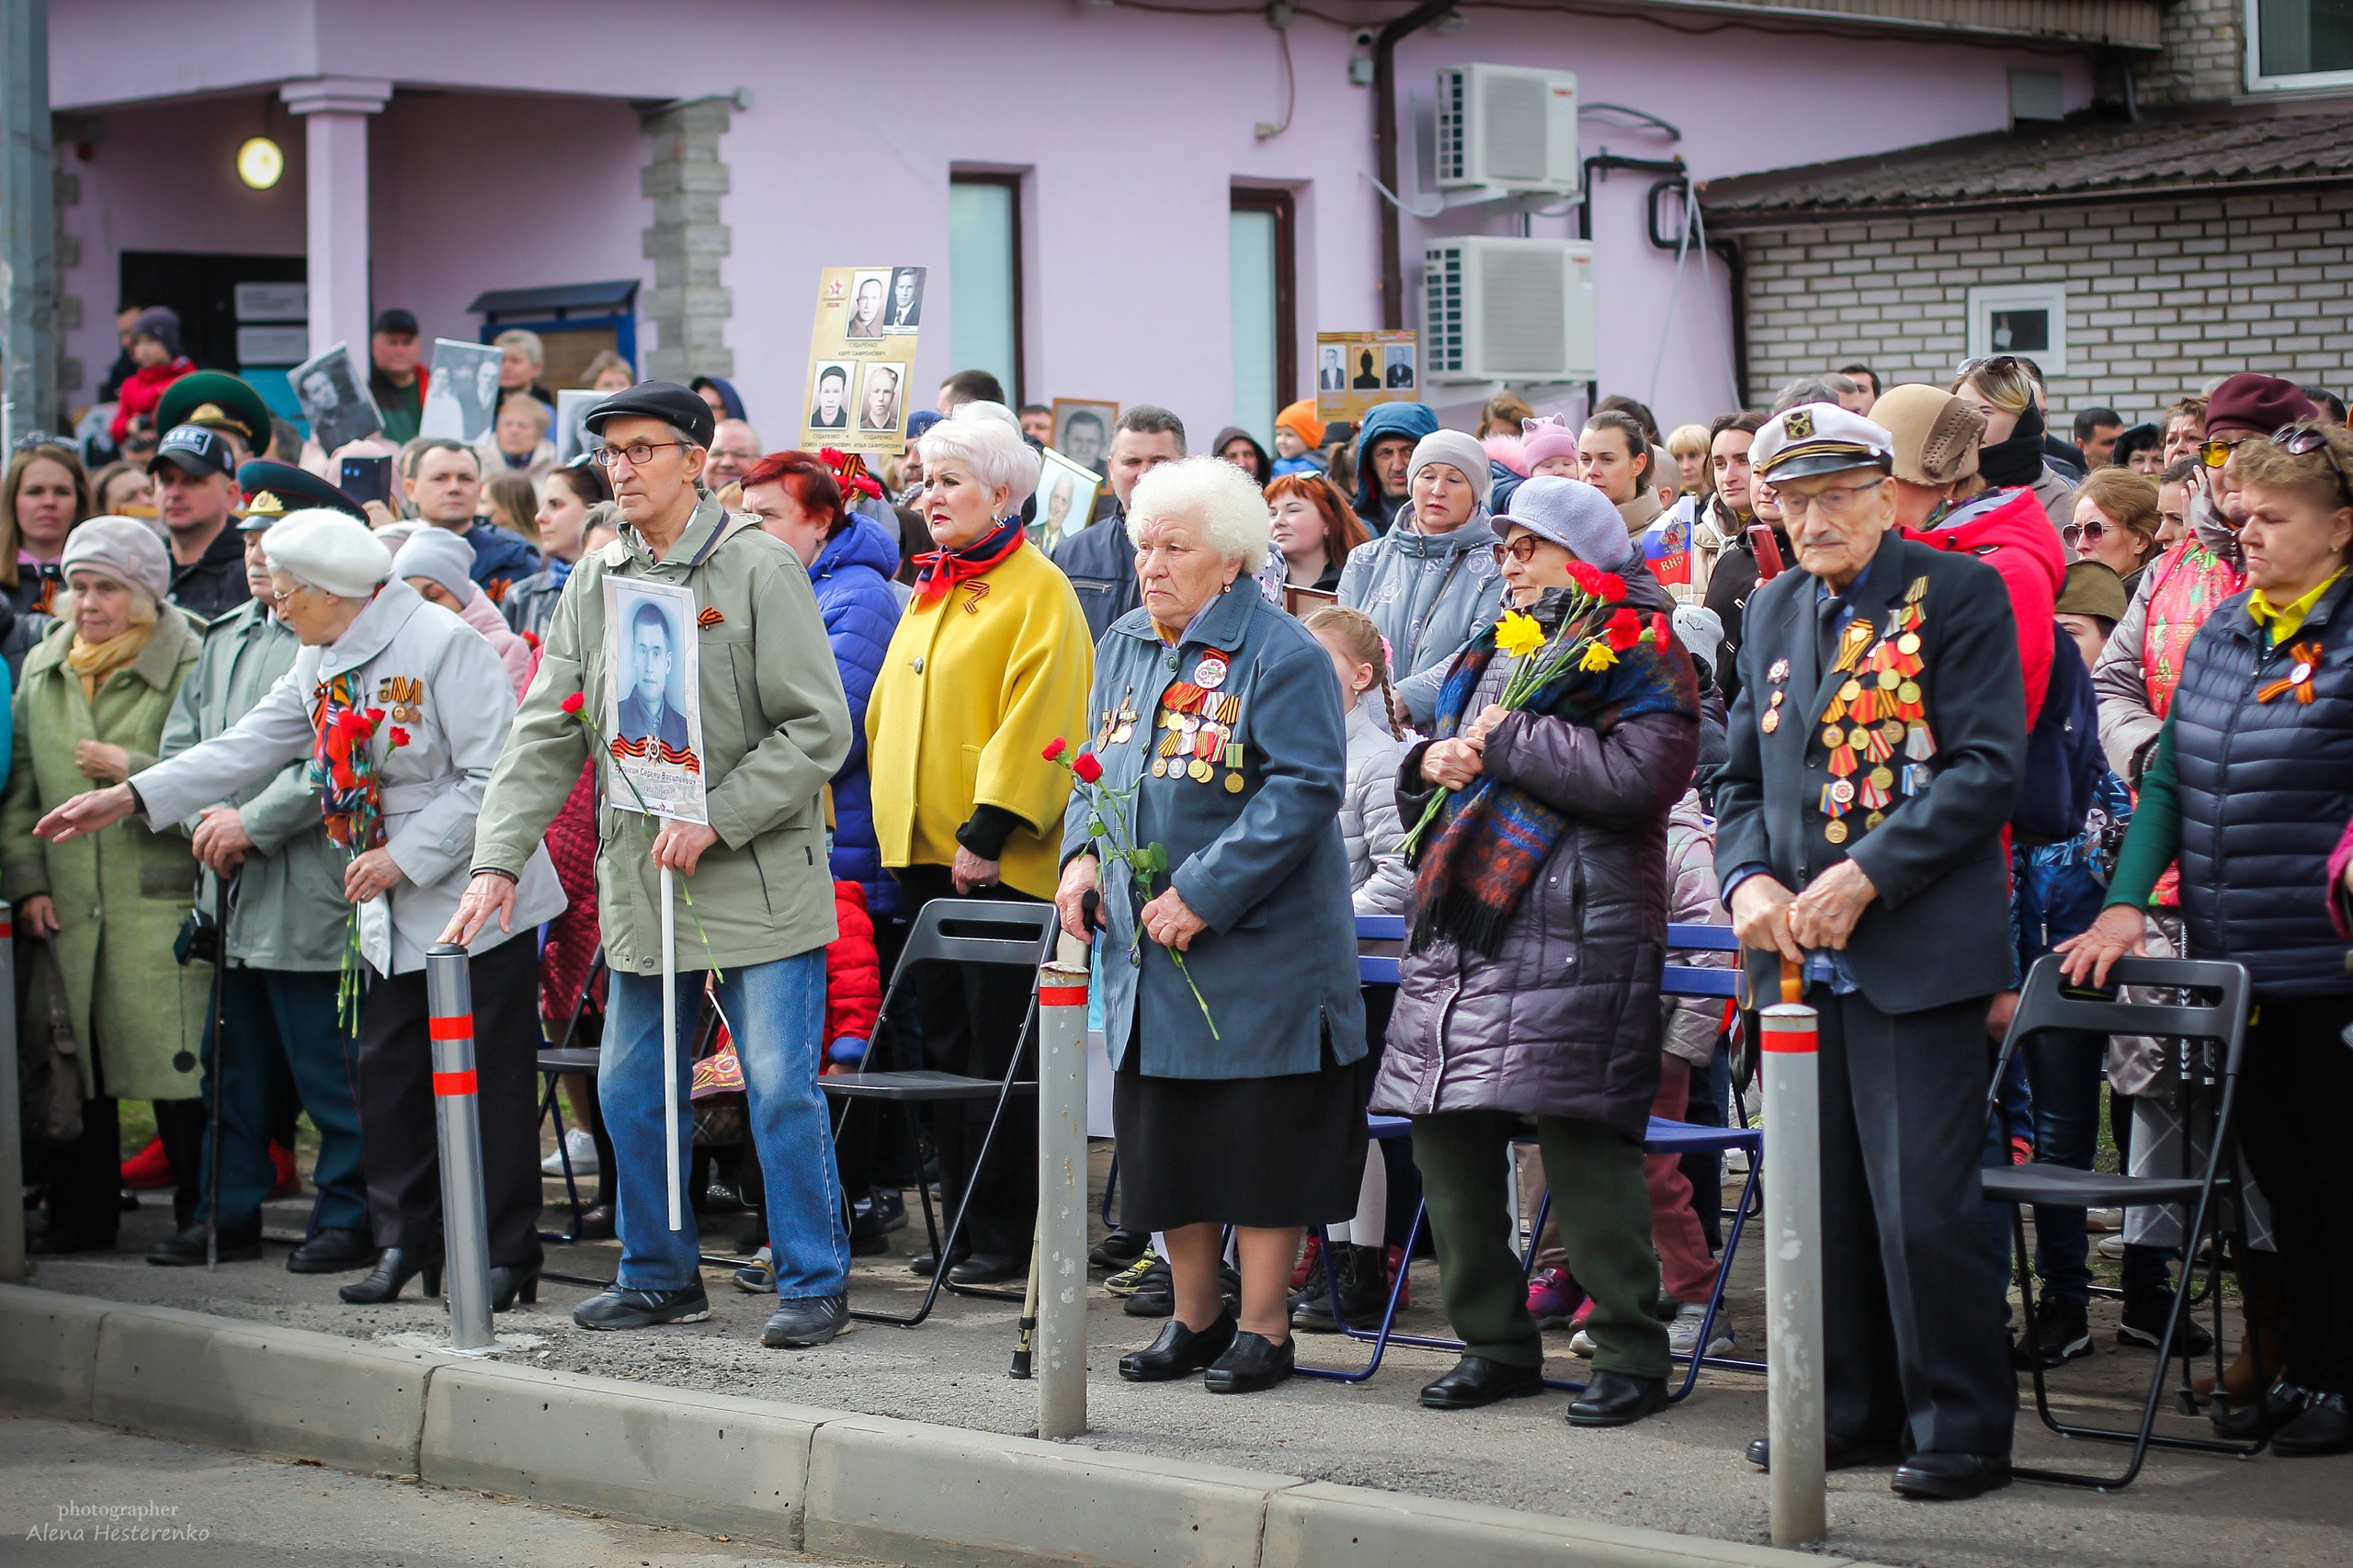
670,1047
1794,1374
12,1146
465,1225
1061,1271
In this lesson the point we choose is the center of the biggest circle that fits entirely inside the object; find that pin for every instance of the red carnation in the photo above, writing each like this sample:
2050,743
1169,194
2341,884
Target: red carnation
1625,630
400,736
1609,588
1659,627
1086,767
1054,749
1582,576
375,717
575,703
530,639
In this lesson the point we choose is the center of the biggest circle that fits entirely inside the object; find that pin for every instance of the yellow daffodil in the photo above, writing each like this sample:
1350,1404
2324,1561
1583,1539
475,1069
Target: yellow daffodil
1518,635
1597,656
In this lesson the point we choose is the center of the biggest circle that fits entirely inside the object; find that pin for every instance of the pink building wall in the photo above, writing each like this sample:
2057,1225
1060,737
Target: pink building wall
1128,127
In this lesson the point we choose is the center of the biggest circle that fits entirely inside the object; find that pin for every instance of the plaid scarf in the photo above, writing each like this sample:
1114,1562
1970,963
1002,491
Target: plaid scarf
1492,839
943,569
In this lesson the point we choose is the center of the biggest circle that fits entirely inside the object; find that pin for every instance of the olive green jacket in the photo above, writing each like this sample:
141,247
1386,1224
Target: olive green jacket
775,727
120,893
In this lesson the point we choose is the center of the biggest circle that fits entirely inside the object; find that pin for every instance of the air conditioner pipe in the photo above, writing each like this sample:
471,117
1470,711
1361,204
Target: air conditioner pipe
1670,167
1736,268
1384,146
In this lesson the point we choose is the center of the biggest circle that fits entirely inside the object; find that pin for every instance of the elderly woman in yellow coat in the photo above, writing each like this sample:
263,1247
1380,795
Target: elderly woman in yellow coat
990,664
105,910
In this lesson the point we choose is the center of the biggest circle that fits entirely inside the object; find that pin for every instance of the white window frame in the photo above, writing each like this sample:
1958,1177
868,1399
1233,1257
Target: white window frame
2256,82
2052,296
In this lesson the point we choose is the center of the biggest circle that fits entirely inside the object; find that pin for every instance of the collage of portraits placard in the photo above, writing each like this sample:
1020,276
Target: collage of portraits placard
861,355
1356,371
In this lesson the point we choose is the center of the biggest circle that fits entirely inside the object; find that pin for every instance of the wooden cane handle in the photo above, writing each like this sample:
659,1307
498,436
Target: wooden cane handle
1792,982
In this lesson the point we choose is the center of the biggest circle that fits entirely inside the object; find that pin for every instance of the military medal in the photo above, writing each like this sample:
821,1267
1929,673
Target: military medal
1198,771
1209,673
1123,723
1771,721
1834,831
1779,673
1160,768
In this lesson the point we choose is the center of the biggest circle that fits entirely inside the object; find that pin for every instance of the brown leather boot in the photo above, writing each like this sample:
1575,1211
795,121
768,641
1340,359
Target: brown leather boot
2262,1302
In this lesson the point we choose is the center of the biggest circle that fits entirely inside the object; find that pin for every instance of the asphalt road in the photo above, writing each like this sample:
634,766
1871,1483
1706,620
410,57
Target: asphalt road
74,1494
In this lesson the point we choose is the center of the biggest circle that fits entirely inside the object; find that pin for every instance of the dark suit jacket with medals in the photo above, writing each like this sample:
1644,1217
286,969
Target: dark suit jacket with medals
1938,930
668,725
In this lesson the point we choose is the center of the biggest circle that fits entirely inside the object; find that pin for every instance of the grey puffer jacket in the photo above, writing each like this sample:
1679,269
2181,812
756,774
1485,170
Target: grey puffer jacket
1369,820
1428,593
1564,1020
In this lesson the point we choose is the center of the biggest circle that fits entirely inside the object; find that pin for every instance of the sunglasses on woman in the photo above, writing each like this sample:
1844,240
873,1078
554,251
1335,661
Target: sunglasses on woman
2303,439
2078,533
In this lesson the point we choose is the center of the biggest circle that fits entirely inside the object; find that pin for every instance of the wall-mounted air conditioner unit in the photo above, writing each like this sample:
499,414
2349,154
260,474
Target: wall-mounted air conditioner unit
1508,310
1508,129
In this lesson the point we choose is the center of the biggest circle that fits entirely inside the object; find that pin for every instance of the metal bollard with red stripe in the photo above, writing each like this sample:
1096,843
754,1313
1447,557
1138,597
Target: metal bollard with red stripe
465,1225
1789,1034
12,1146
1061,1356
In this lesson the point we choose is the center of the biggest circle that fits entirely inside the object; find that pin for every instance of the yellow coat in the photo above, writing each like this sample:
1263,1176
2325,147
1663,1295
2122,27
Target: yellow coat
973,688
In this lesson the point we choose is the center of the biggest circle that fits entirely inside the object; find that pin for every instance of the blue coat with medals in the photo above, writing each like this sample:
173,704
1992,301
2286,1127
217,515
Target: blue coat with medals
1246,803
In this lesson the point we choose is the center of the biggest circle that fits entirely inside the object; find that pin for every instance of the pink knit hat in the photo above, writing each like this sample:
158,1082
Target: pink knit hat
1546,437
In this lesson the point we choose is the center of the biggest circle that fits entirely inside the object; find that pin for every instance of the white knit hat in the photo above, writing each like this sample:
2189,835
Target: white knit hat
440,555
329,551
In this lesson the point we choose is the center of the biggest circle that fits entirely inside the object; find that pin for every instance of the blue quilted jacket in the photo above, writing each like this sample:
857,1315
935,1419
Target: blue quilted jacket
852,579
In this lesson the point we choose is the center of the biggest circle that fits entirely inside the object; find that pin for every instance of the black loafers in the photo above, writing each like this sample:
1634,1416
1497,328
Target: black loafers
1252,1362
1951,1478
1838,1453
332,1251
1617,1399
1476,1381
988,1269
1179,1352
2281,1404
186,1249
2324,1426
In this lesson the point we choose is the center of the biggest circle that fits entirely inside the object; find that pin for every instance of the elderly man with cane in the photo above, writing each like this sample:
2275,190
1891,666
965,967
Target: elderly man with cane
775,727
1875,749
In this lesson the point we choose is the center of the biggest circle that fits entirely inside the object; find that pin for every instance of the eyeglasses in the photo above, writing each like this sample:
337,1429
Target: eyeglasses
1833,503
2075,533
277,596
2302,440
2215,453
1522,550
639,453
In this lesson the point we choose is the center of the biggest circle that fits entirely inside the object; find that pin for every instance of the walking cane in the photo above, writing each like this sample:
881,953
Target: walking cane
220,1060
1028,1329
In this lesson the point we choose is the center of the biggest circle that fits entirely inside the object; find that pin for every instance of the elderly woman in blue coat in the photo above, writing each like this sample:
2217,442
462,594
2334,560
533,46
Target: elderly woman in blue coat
1243,1104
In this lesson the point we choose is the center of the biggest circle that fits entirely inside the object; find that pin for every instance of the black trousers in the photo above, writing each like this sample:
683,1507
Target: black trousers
401,1146
2295,1103
1912,1291
971,1016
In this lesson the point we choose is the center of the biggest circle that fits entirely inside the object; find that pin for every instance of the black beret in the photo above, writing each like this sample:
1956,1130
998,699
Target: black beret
273,489
665,401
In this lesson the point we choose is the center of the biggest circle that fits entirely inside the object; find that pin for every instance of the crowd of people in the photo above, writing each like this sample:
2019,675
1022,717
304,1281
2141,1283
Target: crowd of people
1891,680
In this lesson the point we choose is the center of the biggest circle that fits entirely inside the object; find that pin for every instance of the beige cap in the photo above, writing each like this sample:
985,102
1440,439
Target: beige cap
1936,433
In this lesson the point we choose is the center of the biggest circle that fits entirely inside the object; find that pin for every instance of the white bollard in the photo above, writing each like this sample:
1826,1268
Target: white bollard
12,1140
1061,1268
465,1224
1793,1370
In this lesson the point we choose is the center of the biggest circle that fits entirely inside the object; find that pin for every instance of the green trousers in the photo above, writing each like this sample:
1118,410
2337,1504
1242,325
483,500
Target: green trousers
1604,1212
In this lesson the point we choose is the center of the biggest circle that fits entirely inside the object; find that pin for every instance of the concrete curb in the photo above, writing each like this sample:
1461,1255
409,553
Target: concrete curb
811,1480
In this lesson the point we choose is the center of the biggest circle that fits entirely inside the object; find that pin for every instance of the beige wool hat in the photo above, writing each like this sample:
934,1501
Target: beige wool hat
1936,434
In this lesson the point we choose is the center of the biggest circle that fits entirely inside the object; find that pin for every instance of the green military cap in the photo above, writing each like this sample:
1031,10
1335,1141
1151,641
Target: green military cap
217,401
273,489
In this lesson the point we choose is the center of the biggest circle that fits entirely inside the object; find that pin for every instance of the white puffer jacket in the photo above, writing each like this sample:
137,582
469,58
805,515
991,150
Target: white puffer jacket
1369,813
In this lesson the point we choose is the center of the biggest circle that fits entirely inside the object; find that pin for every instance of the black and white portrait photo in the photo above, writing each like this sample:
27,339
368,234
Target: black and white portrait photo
653,720
335,400
461,402
904,312
1334,376
878,395
1083,430
1400,358
867,292
829,399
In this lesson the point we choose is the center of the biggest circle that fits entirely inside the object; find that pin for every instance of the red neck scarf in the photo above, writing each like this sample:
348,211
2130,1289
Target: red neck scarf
943,569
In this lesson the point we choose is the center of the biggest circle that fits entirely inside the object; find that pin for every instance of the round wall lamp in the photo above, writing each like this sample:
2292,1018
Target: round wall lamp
260,162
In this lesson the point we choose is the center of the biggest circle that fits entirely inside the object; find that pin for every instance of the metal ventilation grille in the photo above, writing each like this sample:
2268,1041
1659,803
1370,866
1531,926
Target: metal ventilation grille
1450,125
1524,301
1443,309
1515,129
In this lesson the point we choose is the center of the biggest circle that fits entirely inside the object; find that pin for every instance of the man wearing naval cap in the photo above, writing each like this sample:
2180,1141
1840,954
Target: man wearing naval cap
284,941
1874,751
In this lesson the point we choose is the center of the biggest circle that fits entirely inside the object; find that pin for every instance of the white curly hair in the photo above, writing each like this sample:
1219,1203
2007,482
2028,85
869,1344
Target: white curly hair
1213,494
991,448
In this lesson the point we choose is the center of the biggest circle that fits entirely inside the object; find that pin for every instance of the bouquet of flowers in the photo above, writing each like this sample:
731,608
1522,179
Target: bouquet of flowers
1596,627
343,770
577,706
1111,823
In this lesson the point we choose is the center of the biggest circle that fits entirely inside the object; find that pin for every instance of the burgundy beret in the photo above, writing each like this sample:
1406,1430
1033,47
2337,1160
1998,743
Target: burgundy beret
2261,404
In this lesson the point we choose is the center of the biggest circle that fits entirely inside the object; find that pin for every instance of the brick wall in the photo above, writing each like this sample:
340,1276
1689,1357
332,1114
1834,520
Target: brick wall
2201,53
2160,299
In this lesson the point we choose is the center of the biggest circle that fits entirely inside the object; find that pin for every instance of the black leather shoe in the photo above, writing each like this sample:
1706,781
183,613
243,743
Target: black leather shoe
509,1284
1951,1478
928,1263
597,1224
1118,1250
2325,1426
1154,1295
1837,1453
988,1269
332,1251
186,1250
1476,1381
617,1307
1178,1352
1617,1399
1251,1363
805,1321
395,1268
2281,1404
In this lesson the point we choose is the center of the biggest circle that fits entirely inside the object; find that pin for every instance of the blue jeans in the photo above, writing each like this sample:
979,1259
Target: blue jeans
776,1013
2065,1067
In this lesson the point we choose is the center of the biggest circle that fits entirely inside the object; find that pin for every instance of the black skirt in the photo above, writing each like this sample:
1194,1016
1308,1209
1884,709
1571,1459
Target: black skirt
1261,1152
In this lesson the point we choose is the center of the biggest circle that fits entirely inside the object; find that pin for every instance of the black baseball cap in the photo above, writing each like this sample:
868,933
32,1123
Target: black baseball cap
194,450
665,401
397,320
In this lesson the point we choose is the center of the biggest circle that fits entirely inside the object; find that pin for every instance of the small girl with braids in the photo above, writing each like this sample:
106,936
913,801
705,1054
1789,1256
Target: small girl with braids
1369,817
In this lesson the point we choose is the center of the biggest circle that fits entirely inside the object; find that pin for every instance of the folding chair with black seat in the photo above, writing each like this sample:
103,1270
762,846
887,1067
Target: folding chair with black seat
1020,936
555,1061
2049,1002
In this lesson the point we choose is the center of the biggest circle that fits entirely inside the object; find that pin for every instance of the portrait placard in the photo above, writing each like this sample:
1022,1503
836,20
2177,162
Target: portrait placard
335,398
861,357
572,406
1066,493
1083,429
1357,371
461,402
653,699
